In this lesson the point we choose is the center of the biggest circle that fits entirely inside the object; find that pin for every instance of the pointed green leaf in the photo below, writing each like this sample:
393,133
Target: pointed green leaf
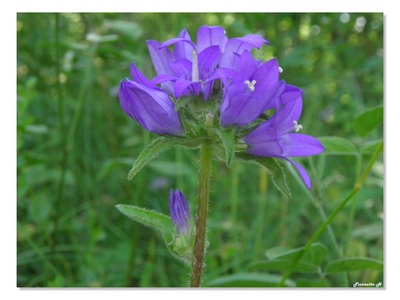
368,121
335,145
249,280
228,141
158,222
275,169
158,146
149,218
151,151
354,264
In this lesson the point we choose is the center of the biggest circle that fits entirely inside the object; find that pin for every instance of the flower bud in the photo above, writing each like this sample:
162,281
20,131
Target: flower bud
179,210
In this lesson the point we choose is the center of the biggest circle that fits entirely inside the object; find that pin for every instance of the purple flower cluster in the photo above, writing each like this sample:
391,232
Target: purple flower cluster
247,88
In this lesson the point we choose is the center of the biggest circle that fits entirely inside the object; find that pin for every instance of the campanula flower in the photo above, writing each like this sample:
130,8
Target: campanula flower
278,137
179,210
190,66
149,105
249,90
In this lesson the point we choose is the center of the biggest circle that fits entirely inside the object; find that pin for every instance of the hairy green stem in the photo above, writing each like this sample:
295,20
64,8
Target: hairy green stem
322,228
201,222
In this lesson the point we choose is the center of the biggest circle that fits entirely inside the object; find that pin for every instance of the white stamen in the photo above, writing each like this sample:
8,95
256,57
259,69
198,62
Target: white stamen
195,67
250,85
297,127
280,70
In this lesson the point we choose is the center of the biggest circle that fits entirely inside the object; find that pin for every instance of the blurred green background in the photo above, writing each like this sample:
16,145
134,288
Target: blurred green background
75,147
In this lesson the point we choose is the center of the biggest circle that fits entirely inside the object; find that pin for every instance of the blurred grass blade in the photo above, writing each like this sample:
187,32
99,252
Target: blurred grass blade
275,169
249,280
335,145
283,265
315,255
112,163
129,29
368,121
354,264
370,147
282,258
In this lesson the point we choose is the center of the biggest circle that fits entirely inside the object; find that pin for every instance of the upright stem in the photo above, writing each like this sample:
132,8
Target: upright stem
204,190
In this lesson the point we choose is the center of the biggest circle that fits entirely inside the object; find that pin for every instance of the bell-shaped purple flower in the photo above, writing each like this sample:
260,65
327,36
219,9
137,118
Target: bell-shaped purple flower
149,105
190,66
249,90
179,210
278,136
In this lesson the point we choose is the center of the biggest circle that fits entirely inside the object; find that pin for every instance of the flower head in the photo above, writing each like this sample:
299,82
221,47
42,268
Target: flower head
275,137
190,66
179,210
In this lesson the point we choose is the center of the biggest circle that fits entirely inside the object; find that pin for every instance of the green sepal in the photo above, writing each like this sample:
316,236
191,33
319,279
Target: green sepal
180,246
228,142
275,169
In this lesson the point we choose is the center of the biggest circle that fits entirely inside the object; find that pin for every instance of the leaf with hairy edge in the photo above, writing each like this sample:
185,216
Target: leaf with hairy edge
275,169
157,221
151,151
157,147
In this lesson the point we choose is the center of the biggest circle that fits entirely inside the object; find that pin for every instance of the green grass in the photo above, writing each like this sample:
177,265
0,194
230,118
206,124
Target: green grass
76,146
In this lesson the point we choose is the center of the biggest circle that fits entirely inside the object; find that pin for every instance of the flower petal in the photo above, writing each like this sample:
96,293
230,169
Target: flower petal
186,87
296,144
236,46
267,75
208,60
138,76
183,50
303,173
182,68
161,58
178,40
151,108
208,36
290,111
